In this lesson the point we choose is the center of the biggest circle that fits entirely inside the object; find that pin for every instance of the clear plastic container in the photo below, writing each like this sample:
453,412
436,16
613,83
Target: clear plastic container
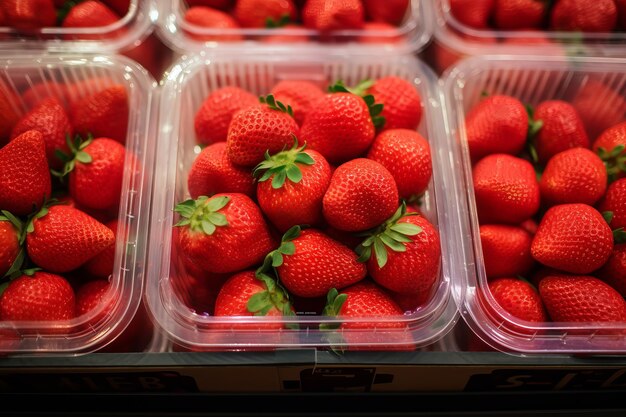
127,32
415,31
188,84
531,79
48,73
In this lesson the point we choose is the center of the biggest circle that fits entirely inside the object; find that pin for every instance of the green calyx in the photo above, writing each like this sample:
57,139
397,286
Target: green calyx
534,126
271,23
274,259
77,153
202,214
273,297
375,109
614,161
65,9
273,104
619,235
334,302
389,235
283,165
16,267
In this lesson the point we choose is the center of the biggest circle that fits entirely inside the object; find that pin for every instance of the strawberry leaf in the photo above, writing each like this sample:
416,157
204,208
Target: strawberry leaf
608,216
407,229
334,302
287,248
201,215
16,267
271,23
77,153
273,104
619,235
277,259
381,253
614,161
283,166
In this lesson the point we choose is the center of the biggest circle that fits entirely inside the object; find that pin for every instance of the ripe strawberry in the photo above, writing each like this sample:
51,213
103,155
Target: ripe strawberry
519,14
413,263
530,226
584,15
506,189
561,129
614,271
300,95
10,245
212,172
299,180
498,124
362,194
61,238
581,299
614,201
329,15
293,33
29,15
102,114
411,302
600,107
402,104
206,17
506,250
224,233
257,13
24,177
268,127
40,297
309,263
518,298
573,176
51,120
380,32
573,238
611,147
101,265
89,14
216,4
390,11
475,14
120,7
8,113
90,296
406,154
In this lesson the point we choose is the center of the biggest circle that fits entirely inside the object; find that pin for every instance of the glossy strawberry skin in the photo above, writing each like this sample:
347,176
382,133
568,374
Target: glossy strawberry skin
29,15
472,13
506,189
615,201
402,103
120,7
573,238
103,114
327,16
24,177
584,15
90,13
506,250
581,299
518,298
206,17
9,246
300,95
519,14
318,264
610,139
614,271
391,11
101,265
90,295
362,194
255,13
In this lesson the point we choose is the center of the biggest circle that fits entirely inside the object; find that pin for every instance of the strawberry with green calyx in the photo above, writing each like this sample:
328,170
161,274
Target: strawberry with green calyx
282,21
299,94
402,103
614,200
534,126
12,238
76,153
291,186
614,160
271,102
619,234
375,109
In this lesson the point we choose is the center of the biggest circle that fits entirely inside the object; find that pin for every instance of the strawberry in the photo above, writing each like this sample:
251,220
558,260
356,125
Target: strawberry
614,201
573,176
611,147
299,180
216,4
573,238
101,265
24,178
268,127
600,106
475,14
581,299
498,124
390,11
402,104
29,15
224,233
519,14
61,238
309,263
506,250
411,302
329,15
518,298
412,266
406,154
257,13
206,17
300,95
10,242
614,270
380,32
51,120
212,172
102,114
216,112
506,189
530,226
561,129
293,33
89,14
584,15
120,7
90,296
8,113
362,194
40,297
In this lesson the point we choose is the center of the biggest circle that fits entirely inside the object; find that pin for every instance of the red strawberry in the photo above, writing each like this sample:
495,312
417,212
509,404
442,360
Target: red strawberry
581,299
24,177
41,297
561,129
103,114
611,147
51,120
614,270
10,234
8,113
475,14
212,172
402,104
518,298
498,124
362,194
506,250
380,32
573,176
291,187
309,263
506,189
584,15
411,302
530,226
614,201
390,11
216,4
118,6
257,13
300,95
62,238
224,233
89,14
206,17
90,297
269,127
406,154
29,15
519,14
600,106
101,265
329,15
293,33
573,238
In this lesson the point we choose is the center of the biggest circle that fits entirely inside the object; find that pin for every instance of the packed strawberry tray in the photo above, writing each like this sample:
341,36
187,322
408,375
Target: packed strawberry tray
541,145
297,204
75,181
392,25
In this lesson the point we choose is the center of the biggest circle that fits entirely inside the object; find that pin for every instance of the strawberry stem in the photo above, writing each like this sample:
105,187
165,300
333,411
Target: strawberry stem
202,214
77,153
614,161
283,165
273,104
534,126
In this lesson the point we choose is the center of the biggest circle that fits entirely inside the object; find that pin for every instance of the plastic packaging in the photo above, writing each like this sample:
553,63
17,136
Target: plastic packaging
48,74
531,79
188,84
